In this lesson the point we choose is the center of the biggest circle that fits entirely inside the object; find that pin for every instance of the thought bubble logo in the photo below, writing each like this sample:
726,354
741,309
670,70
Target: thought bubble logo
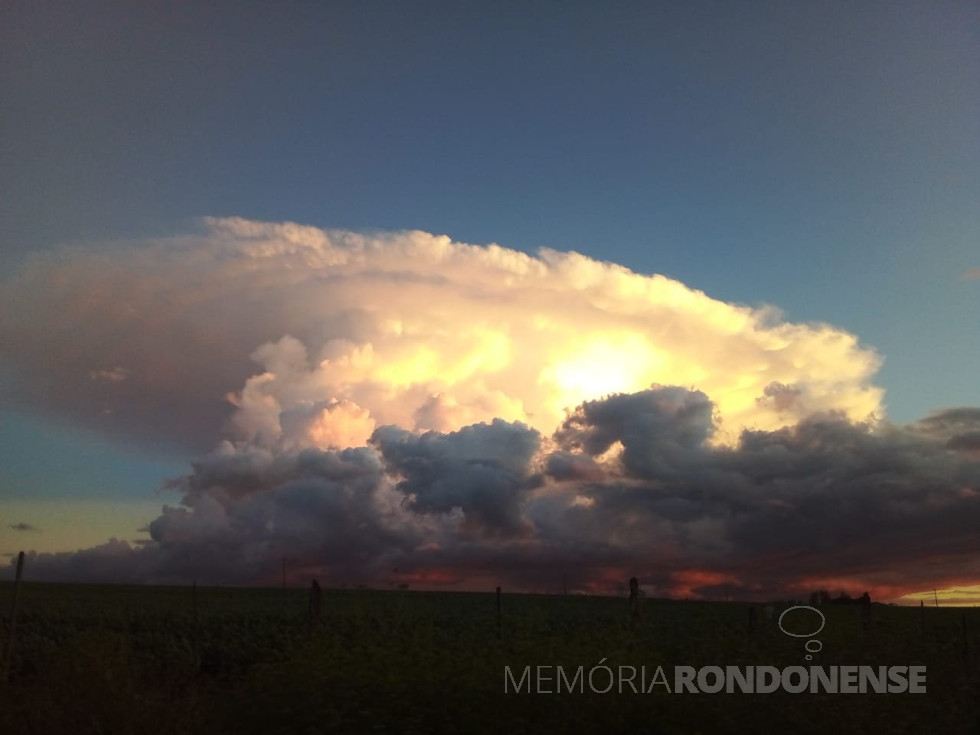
811,646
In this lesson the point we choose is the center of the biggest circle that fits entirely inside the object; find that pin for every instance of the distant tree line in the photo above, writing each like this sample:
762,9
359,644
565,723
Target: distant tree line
822,597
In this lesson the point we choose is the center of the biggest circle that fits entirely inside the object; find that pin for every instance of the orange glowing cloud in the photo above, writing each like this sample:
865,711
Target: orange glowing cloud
405,328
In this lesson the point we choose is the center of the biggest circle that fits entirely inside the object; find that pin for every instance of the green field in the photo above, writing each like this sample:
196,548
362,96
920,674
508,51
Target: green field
103,659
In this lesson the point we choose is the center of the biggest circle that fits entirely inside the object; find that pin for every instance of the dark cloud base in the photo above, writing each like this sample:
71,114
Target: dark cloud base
22,526
629,485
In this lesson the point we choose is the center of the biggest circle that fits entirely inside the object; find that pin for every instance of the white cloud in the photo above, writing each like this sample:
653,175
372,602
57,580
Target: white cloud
403,328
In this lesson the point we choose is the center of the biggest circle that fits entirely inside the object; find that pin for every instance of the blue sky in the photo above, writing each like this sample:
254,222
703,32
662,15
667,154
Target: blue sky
823,158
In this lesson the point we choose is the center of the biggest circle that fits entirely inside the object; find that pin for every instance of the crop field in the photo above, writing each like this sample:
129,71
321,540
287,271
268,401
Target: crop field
105,659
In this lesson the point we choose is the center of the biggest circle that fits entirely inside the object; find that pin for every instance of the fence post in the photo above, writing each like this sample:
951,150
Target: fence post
498,612
8,654
966,636
314,608
195,631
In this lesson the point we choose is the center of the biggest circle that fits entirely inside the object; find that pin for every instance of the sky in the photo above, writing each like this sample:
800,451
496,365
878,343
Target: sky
457,295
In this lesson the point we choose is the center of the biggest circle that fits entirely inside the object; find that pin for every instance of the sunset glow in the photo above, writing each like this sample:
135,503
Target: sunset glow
474,295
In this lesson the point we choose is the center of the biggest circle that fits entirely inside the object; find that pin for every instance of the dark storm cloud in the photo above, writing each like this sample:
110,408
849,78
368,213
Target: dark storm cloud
951,419
243,512
780,397
660,430
21,526
968,441
884,506
631,484
483,470
114,561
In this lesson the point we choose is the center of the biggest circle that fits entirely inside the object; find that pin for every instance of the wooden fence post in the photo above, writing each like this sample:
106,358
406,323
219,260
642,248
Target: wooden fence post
498,612
9,652
313,619
966,636
196,633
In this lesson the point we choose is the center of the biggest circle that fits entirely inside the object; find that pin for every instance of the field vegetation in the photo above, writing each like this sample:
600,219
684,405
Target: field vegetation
114,659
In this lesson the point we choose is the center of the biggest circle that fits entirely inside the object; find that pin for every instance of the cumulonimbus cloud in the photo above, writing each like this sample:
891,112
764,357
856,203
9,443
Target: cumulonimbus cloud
320,337
403,407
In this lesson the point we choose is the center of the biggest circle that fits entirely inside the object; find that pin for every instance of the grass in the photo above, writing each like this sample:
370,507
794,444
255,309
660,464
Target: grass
105,659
